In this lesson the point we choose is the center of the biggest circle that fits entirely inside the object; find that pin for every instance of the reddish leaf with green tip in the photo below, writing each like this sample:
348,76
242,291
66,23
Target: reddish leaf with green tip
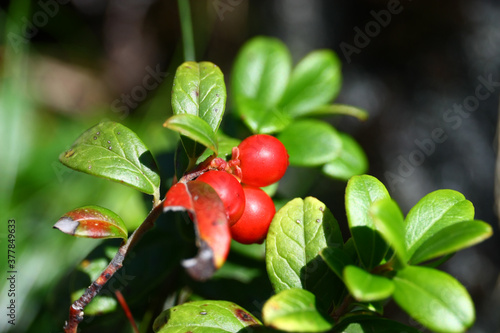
207,212
92,222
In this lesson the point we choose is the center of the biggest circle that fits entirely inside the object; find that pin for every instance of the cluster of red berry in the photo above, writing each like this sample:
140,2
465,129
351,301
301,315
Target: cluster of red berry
260,160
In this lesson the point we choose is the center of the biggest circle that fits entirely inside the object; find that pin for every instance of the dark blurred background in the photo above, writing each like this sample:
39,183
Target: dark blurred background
427,73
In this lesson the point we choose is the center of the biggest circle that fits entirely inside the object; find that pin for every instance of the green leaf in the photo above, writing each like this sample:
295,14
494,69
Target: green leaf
350,162
450,239
339,109
311,142
199,90
361,193
94,267
253,251
99,304
337,260
112,151
367,287
205,317
316,80
371,324
260,73
434,212
298,233
294,310
92,222
194,128
261,119
434,298
390,223
225,146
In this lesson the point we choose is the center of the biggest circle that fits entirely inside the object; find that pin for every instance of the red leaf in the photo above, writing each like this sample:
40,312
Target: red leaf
92,222
207,212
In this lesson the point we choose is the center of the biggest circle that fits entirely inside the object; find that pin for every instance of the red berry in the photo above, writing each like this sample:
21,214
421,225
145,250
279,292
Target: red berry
229,191
263,160
259,211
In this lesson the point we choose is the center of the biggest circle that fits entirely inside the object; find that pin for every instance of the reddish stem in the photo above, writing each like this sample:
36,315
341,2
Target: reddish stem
126,309
76,309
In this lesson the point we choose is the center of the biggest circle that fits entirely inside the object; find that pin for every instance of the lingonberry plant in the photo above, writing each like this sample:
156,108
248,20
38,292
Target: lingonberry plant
321,282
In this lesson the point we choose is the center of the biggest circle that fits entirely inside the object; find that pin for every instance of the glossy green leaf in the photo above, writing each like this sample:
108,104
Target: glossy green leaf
294,310
253,251
205,317
337,260
112,151
390,223
311,142
361,193
434,212
339,109
315,81
199,90
298,233
434,298
453,238
372,324
351,161
260,73
261,119
225,146
92,222
194,128
367,287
